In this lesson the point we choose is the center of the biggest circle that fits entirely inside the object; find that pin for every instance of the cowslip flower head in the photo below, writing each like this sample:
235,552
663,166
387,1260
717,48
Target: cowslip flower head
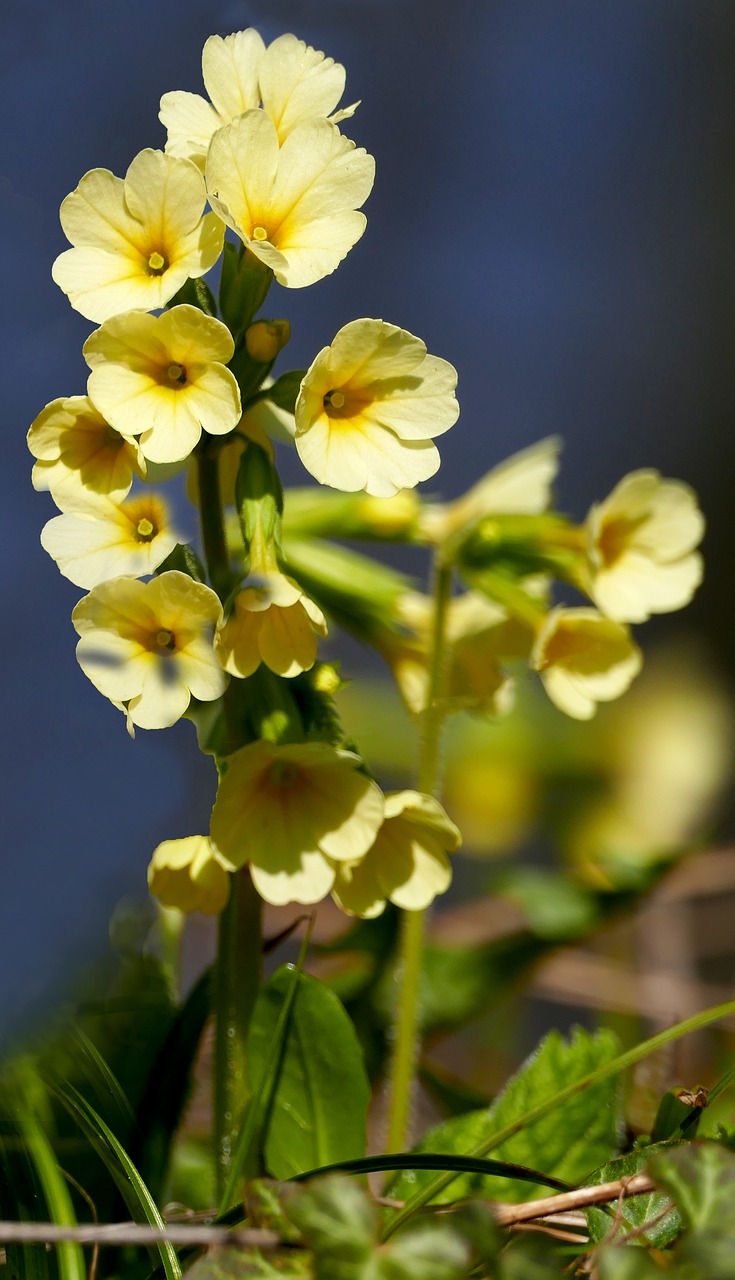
149,645
163,378
521,485
641,540
292,812
81,458
369,407
407,864
115,539
294,207
136,240
189,875
290,80
272,621
584,658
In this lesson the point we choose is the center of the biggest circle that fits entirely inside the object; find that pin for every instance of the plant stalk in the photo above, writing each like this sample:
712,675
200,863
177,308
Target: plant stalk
411,945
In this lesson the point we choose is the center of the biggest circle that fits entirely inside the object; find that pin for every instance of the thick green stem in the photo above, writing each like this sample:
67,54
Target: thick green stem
407,1029
238,976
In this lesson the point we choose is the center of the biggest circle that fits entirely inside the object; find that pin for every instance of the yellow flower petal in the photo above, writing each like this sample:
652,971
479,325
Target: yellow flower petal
584,658
187,874
81,458
131,538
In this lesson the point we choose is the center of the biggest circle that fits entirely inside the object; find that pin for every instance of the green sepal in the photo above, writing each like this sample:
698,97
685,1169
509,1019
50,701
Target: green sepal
285,390
243,288
259,499
184,559
196,293
519,546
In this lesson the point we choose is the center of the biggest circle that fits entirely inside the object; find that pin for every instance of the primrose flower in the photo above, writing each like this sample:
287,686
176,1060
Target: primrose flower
80,456
369,407
521,485
289,79
407,864
164,378
294,207
127,538
272,621
641,540
188,874
136,240
148,645
584,658
292,812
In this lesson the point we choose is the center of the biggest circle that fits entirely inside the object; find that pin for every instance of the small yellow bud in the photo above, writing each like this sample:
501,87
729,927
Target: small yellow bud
327,679
266,338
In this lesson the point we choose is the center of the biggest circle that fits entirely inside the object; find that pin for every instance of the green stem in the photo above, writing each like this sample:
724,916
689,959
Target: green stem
238,975
411,946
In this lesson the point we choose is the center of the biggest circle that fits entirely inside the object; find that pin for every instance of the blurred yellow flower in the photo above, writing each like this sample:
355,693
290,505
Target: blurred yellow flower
149,645
80,456
164,378
289,79
641,542
584,658
115,539
138,239
272,621
521,485
295,207
369,407
407,864
292,812
188,874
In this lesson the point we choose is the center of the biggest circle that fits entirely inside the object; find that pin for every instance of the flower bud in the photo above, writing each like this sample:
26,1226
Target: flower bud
266,338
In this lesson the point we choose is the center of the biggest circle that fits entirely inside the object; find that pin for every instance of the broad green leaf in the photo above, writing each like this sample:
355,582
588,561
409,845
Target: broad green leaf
335,1217
319,1104
635,1211
555,906
228,1263
566,1144
700,1177
459,982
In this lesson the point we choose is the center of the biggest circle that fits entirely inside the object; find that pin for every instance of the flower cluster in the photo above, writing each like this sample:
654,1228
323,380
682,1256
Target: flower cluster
259,181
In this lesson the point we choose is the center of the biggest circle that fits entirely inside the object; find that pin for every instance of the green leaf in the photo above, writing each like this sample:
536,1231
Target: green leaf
229,1263
532,1260
555,906
700,1177
120,1167
21,1200
285,389
459,982
635,1211
624,1263
565,1144
335,1217
319,1105
196,293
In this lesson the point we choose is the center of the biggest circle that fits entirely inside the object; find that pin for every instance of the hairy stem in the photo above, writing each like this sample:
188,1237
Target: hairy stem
406,1030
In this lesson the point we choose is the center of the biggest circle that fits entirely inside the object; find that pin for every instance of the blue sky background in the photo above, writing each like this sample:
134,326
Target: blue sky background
554,212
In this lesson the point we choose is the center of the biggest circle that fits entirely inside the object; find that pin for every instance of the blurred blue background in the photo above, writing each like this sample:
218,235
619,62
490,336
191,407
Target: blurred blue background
554,212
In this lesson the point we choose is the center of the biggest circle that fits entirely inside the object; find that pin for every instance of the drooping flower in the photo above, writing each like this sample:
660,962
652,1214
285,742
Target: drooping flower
149,645
80,456
115,539
369,408
189,875
292,812
641,540
584,658
272,621
407,864
136,240
521,485
163,378
294,207
289,79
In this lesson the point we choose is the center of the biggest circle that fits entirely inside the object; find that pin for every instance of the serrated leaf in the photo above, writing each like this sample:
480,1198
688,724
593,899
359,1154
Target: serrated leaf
565,1144
635,1211
700,1178
318,1109
230,1263
336,1218
425,1253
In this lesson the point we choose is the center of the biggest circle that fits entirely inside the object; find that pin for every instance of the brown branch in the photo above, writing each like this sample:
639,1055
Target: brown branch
117,1233
509,1214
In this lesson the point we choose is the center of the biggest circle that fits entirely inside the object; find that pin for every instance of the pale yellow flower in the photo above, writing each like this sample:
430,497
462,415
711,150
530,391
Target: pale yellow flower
584,658
272,621
289,79
407,864
369,407
138,240
521,485
292,812
189,875
114,539
295,207
641,542
164,378
149,645
80,456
